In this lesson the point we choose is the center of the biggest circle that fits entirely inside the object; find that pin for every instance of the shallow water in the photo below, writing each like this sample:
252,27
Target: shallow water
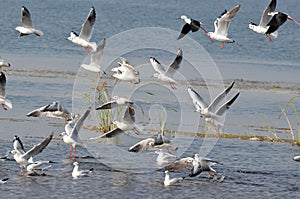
44,69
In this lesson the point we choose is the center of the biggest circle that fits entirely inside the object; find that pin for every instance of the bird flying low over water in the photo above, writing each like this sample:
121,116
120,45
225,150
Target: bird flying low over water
54,110
94,64
3,100
191,25
203,164
126,72
27,27
167,75
83,39
222,24
116,101
262,27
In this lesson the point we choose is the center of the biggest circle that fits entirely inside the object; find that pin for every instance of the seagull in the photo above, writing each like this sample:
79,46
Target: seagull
125,72
277,20
182,163
27,27
296,158
127,124
163,157
4,180
202,107
172,181
76,173
83,39
32,166
157,143
70,136
203,164
3,64
265,18
23,158
222,24
116,101
190,25
167,75
94,64
54,110
4,102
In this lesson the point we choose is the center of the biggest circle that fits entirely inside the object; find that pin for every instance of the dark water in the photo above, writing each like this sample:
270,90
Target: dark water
44,69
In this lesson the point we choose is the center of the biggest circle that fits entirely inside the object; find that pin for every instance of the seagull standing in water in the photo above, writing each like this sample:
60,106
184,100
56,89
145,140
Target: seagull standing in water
83,39
190,25
94,64
27,27
3,64
222,24
277,20
116,101
54,110
168,181
70,136
167,75
23,157
4,102
80,173
265,19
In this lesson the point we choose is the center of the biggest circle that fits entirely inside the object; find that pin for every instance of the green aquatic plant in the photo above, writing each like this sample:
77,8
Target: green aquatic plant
283,112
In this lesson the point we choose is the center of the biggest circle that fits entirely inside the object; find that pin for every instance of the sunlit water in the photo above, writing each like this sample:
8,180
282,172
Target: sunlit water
44,69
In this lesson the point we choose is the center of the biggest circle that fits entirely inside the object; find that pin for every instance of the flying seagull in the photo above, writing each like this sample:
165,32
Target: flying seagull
167,75
83,39
70,135
126,72
94,64
116,101
262,27
222,24
54,110
27,27
203,164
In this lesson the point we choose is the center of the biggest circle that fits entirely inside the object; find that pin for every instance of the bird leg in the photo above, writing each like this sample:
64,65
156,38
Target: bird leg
269,37
87,50
222,45
21,171
74,152
71,152
4,107
116,82
212,173
136,131
173,85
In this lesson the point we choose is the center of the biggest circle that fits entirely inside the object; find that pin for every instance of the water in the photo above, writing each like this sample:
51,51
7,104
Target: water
44,69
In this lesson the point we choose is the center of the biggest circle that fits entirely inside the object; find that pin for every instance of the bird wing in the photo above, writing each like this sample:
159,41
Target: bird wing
276,21
226,106
26,18
209,162
38,148
265,18
18,145
2,84
141,146
88,25
223,21
195,25
220,97
129,115
96,56
183,163
196,170
185,30
175,65
197,99
79,123
111,133
157,66
107,105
